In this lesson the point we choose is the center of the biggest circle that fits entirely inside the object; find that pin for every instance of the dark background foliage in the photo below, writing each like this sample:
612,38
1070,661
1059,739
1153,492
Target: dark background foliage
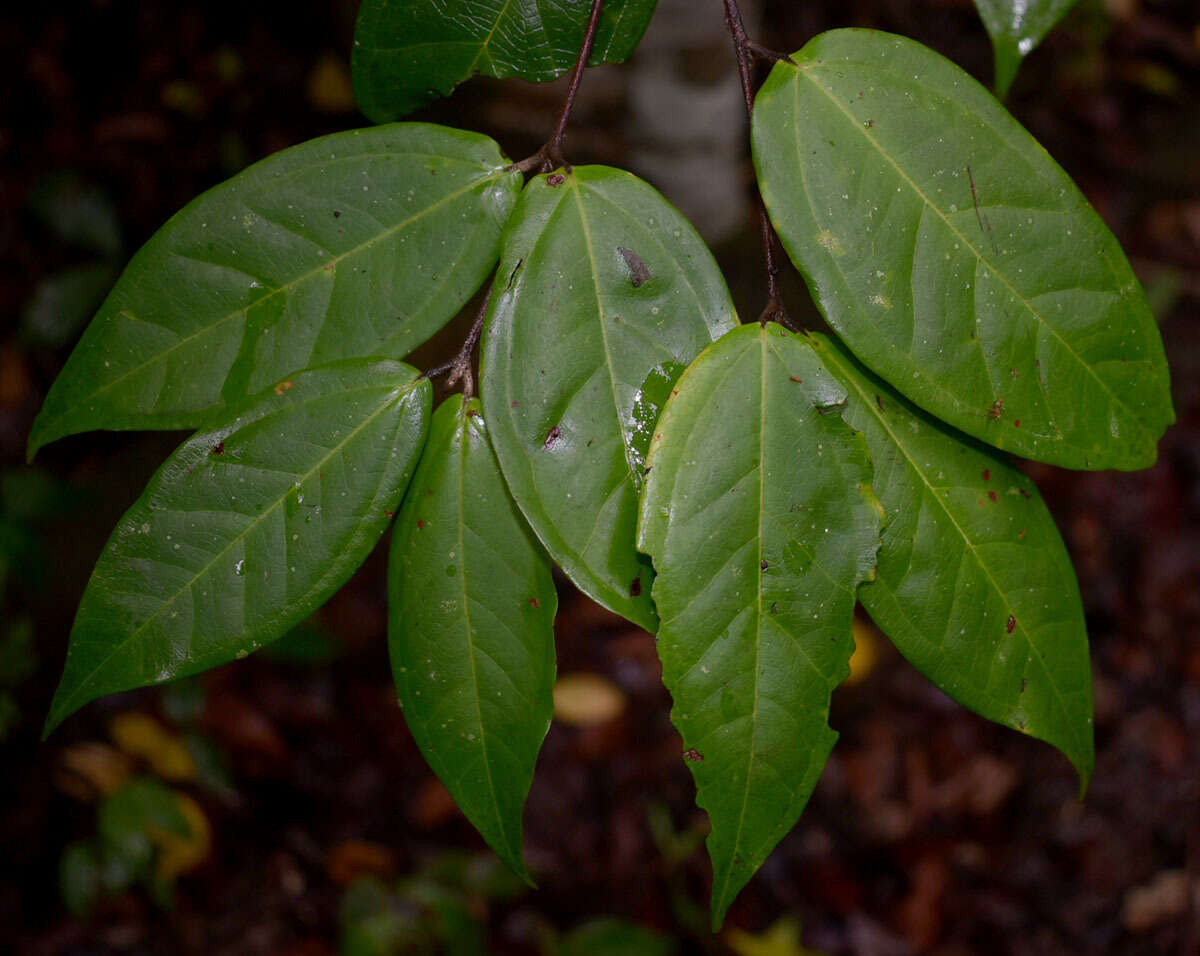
931,831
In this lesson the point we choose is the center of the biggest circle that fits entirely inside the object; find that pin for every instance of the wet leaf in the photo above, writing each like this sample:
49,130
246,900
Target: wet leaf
578,354
246,529
471,633
406,54
1016,27
954,257
974,585
759,515
352,245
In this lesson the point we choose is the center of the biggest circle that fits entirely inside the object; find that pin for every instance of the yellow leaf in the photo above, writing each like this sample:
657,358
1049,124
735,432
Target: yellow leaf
585,700
329,87
866,651
142,736
782,939
180,854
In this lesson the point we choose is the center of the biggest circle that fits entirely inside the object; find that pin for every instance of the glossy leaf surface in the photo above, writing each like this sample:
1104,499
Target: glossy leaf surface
471,612
1016,27
604,294
974,584
246,529
353,245
759,515
408,52
954,257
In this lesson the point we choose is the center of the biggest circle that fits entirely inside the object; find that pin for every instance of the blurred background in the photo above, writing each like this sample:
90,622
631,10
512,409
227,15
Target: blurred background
314,826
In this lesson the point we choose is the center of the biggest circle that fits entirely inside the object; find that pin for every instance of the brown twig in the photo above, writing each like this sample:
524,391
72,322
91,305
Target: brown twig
745,50
459,367
550,156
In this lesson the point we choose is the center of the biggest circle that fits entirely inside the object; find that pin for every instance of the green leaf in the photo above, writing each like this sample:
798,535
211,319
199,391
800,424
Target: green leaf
79,877
78,212
126,819
63,302
408,53
352,245
246,529
759,515
614,937
973,584
1017,320
604,294
1016,27
472,628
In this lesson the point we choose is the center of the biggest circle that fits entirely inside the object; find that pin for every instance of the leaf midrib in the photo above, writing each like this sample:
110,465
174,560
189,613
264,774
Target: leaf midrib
866,402
464,429
758,616
395,397
980,257
285,287
626,440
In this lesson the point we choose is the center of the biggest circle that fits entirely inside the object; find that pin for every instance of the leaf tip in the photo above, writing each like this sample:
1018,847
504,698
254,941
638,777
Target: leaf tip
55,717
37,439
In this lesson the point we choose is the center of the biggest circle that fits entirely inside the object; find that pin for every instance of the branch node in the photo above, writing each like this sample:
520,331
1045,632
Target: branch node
458,369
550,157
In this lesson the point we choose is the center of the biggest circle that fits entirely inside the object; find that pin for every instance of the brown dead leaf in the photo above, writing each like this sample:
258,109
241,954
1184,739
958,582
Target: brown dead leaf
1163,899
354,858
90,770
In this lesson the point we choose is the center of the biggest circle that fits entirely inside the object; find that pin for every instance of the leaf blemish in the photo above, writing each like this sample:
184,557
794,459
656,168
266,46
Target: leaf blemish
512,275
553,437
635,587
219,448
987,474
555,179
763,564
638,273
797,380
535,604
282,387
1011,625
828,240
992,496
